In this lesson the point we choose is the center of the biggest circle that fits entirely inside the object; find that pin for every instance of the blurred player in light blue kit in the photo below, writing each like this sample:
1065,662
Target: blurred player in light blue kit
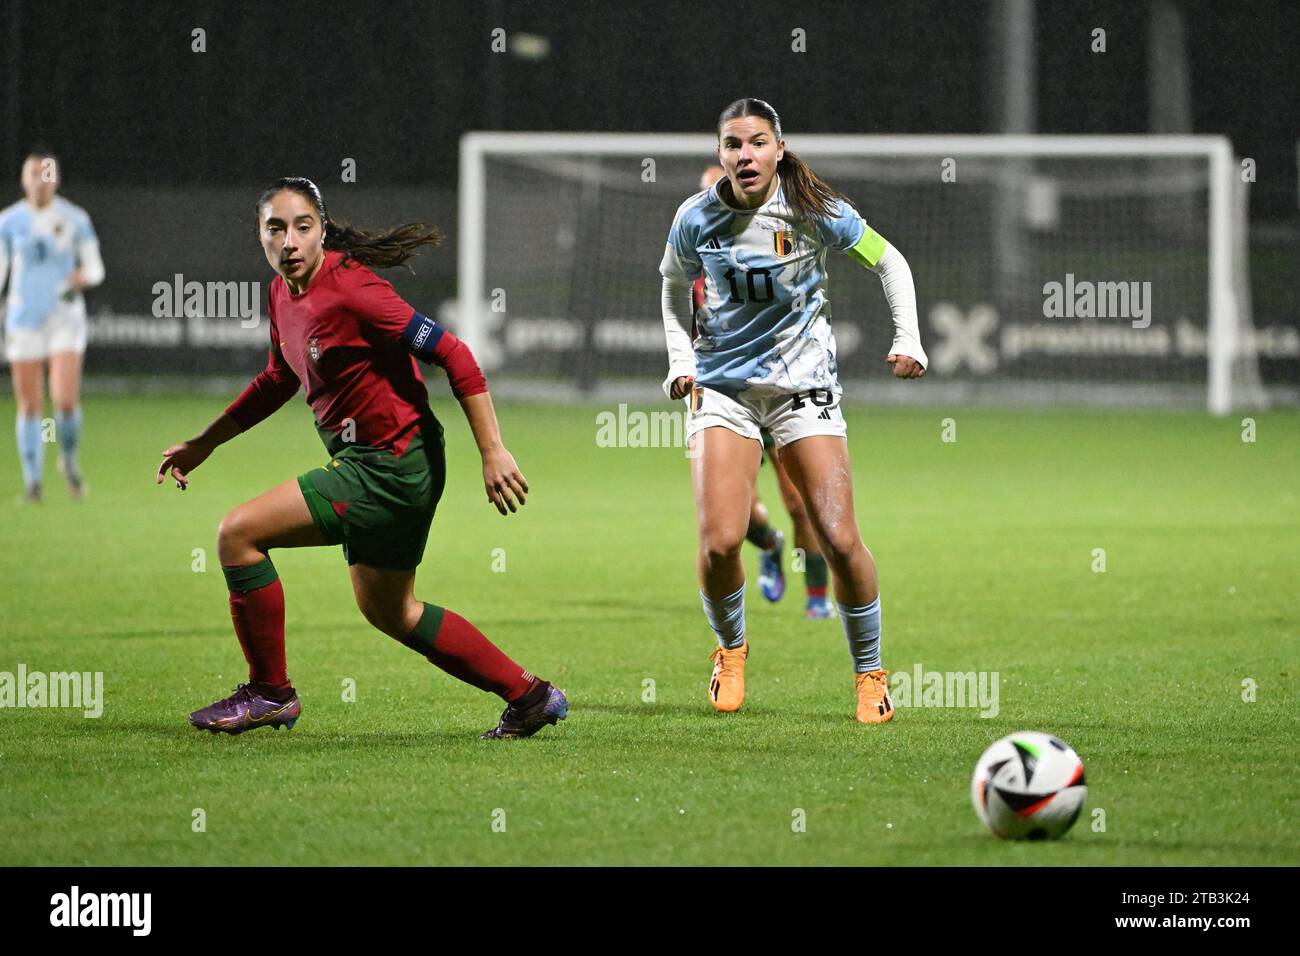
762,356
49,254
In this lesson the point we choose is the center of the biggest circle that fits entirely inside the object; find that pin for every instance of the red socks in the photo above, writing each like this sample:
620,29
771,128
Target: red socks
460,648
257,610
444,637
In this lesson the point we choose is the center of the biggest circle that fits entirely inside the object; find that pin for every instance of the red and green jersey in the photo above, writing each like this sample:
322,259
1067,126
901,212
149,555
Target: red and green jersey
340,339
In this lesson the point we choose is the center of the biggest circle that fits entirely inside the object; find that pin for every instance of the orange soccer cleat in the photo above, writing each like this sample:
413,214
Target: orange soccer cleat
727,685
874,703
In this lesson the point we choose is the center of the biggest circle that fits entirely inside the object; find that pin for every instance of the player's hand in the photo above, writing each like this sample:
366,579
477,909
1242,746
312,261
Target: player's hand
905,366
503,480
681,387
180,460
76,282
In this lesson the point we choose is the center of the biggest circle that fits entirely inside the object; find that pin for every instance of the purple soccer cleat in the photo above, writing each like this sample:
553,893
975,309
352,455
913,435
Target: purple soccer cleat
819,608
246,709
524,721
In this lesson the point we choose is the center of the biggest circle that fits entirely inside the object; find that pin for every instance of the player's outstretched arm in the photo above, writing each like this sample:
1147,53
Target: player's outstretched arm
272,387
181,459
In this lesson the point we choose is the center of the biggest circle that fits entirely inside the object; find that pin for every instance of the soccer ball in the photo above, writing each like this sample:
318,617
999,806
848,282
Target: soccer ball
1028,786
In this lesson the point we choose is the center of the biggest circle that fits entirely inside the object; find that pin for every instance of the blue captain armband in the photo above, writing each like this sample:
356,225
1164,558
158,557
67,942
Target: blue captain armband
421,336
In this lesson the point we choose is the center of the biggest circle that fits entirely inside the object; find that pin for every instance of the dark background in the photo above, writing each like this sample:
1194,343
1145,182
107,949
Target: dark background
168,149
116,88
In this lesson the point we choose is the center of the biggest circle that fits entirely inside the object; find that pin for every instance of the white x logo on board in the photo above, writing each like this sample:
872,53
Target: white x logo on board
963,338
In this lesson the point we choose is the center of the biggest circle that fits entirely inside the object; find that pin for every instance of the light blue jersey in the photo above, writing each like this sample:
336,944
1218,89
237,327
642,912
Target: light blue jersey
41,248
766,320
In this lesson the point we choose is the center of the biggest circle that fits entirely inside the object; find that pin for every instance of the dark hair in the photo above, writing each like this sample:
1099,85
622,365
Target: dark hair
40,152
807,193
377,250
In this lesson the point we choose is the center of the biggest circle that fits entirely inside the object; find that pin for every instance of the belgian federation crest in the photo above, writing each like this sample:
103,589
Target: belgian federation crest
783,242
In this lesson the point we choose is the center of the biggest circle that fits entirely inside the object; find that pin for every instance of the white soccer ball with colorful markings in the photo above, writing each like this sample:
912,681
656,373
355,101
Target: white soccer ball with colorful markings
1029,786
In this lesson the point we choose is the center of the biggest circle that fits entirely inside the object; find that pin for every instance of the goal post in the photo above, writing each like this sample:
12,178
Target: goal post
1127,287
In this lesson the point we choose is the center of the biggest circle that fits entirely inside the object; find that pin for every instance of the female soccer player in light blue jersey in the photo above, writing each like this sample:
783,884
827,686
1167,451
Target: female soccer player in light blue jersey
49,253
764,357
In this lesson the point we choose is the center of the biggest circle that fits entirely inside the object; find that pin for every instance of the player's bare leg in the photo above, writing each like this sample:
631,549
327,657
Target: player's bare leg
724,467
757,510
818,605
278,518
819,467
29,396
65,394
387,600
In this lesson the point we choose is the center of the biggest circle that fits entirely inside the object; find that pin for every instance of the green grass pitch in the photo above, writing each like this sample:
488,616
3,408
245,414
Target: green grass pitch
986,554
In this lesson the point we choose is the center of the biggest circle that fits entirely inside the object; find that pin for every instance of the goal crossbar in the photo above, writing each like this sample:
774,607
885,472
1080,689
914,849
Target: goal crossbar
1222,320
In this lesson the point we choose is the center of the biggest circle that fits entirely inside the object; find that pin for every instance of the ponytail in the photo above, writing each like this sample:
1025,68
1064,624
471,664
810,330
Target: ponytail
808,195
375,250
380,250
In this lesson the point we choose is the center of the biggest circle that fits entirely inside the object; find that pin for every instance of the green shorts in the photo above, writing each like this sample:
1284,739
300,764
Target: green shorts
379,506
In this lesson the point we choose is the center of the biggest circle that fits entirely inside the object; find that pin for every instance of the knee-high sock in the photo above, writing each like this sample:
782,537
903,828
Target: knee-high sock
68,428
815,574
460,648
862,628
257,610
761,535
31,452
727,617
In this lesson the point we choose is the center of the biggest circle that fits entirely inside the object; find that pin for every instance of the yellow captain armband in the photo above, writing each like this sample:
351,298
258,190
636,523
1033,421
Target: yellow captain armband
869,248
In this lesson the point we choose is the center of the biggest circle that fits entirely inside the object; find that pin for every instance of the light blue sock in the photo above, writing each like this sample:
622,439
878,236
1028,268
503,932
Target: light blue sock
727,617
30,450
862,628
68,428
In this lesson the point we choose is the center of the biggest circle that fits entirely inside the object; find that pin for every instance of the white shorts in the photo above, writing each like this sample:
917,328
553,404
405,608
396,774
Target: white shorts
64,331
788,417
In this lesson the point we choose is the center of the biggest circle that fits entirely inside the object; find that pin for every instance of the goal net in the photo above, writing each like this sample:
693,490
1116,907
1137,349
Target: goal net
1049,269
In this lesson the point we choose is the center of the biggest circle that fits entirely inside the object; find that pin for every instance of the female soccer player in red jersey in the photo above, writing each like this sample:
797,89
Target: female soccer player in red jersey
763,357
343,333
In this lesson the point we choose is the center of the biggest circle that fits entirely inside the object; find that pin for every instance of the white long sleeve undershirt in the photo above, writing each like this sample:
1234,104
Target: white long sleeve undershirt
90,263
900,292
678,311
